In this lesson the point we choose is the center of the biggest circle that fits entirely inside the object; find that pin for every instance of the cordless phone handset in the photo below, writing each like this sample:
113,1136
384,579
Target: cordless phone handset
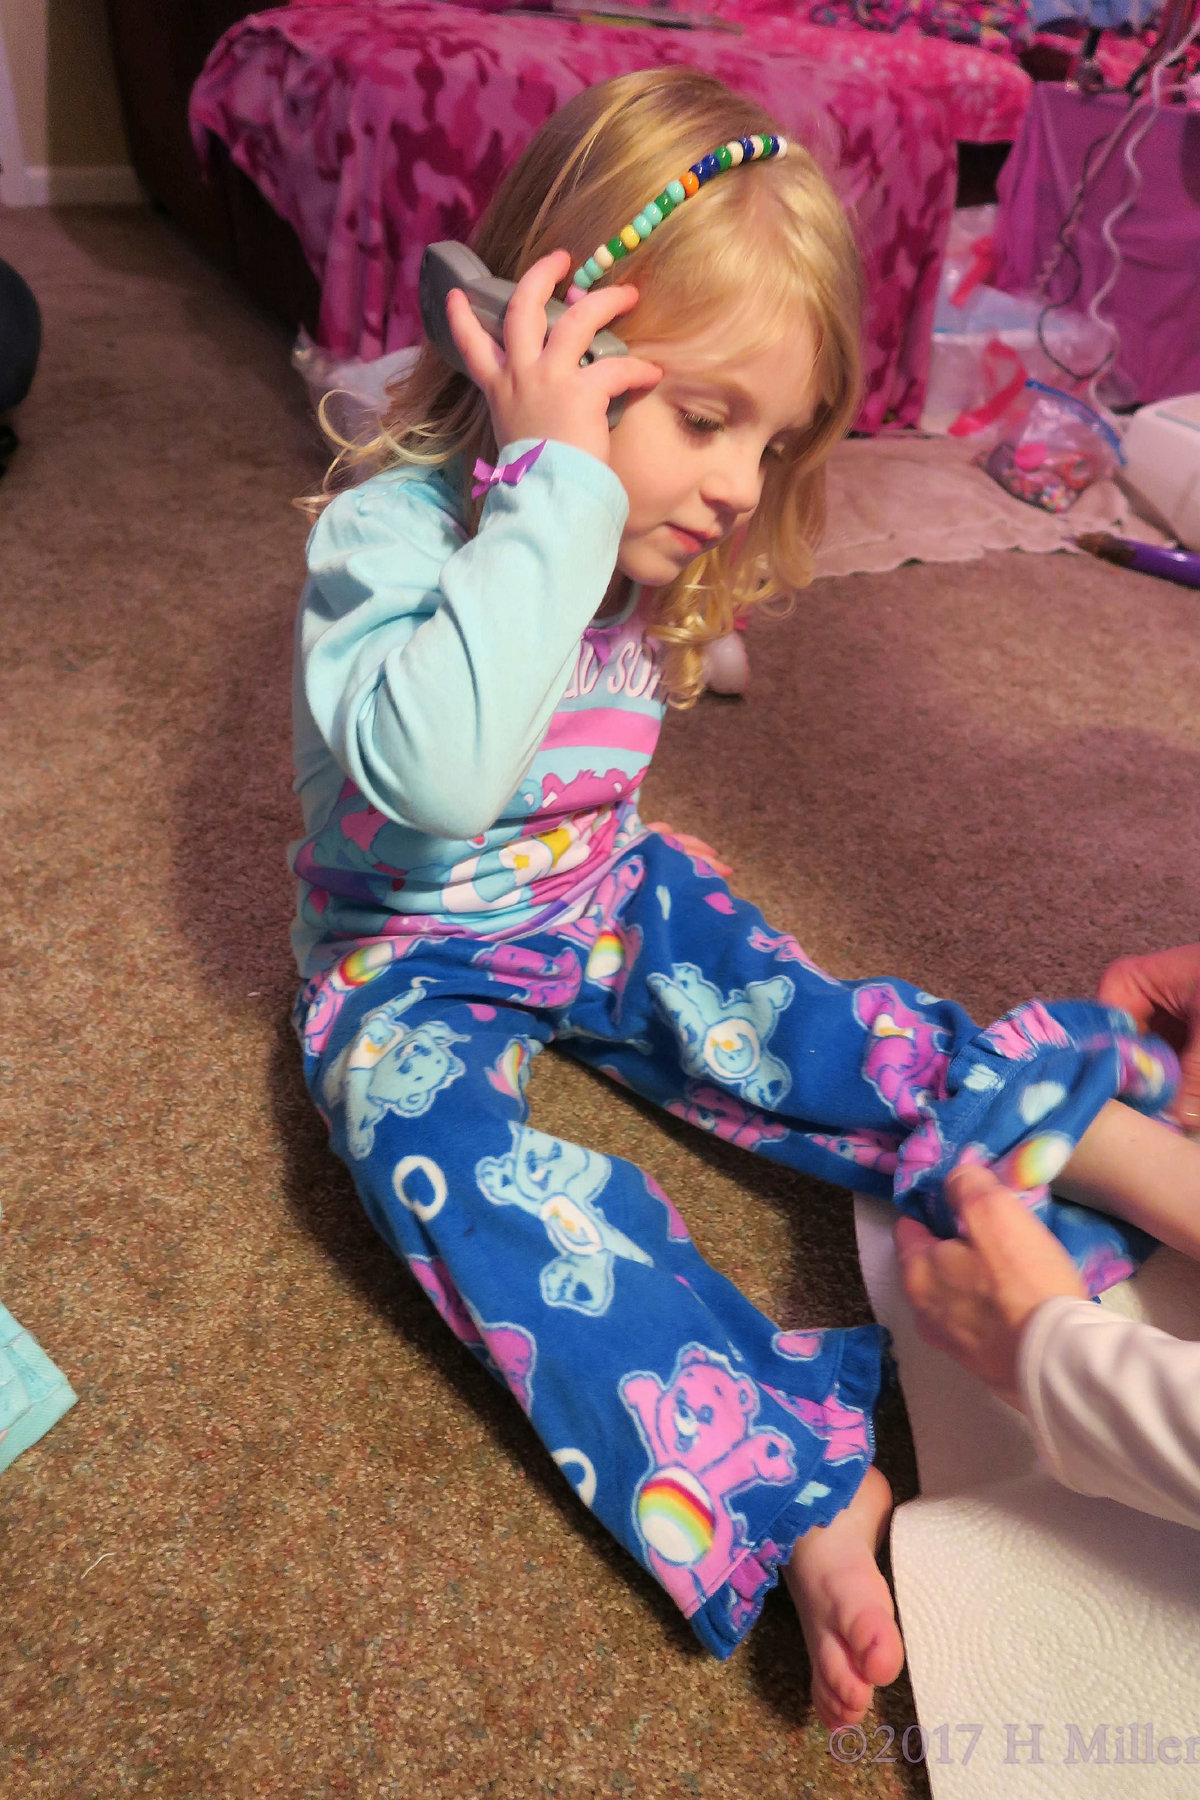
451,265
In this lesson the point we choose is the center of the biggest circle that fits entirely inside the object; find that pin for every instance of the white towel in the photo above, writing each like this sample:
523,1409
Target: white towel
1053,1640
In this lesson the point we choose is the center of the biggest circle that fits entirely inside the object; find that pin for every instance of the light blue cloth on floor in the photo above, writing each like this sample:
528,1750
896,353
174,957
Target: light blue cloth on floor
34,1394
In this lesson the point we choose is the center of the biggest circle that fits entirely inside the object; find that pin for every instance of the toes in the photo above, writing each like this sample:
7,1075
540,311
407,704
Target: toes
840,1695
875,1646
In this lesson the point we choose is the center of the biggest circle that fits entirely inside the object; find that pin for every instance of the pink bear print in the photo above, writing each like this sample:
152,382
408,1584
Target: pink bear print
922,1149
711,1109
1021,1033
326,994
514,1353
843,1428
508,1348
798,1346
363,826
869,1149
703,858
905,1061
784,948
698,1431
605,909
589,791
613,947
1103,1268
676,1229
540,980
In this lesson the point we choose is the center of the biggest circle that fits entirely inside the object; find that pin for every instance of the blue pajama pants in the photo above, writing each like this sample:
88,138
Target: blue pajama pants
705,1438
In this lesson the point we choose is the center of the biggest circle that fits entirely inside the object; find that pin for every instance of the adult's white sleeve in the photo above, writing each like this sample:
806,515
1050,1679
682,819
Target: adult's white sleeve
1115,1407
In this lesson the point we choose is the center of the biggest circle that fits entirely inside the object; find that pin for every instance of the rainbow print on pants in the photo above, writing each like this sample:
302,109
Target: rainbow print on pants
676,1517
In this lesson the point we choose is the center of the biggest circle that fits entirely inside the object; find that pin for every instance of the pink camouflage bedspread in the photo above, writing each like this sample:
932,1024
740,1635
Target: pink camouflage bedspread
375,128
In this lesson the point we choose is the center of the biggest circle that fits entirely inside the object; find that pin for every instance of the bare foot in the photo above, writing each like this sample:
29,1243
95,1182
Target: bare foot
845,1608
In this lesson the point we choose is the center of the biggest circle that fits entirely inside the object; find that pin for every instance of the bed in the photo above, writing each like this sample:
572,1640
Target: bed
374,128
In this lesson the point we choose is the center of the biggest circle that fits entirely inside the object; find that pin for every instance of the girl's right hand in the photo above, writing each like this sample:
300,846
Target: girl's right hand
534,386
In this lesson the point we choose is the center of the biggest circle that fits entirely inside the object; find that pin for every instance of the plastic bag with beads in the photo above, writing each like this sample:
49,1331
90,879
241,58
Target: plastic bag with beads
1060,447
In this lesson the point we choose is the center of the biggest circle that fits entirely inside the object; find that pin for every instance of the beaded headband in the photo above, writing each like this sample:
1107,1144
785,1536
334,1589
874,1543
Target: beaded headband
725,156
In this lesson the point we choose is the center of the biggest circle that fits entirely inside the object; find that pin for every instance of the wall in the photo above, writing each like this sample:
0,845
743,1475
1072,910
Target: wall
60,124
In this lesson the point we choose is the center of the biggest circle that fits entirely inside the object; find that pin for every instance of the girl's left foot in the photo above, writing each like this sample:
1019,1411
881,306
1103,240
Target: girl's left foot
845,1607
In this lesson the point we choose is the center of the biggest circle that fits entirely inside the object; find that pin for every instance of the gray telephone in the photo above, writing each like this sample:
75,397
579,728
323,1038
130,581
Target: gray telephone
451,265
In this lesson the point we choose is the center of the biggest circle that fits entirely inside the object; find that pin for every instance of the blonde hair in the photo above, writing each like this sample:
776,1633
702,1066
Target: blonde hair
761,249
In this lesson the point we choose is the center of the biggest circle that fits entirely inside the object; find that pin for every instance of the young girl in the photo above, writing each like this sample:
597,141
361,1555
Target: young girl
490,632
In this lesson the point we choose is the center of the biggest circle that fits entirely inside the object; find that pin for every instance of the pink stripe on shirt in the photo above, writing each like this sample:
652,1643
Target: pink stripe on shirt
610,727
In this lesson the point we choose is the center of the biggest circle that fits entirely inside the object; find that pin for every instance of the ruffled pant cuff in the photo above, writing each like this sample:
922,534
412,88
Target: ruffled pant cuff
723,1620
1018,1097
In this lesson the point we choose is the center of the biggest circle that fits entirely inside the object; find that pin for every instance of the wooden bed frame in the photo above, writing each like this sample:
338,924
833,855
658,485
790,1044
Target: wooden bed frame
160,47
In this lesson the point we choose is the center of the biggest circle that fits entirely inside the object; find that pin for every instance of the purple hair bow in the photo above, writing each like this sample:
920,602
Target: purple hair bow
487,477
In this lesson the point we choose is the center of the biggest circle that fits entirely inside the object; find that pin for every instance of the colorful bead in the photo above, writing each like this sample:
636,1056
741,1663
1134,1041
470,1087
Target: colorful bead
574,293
725,156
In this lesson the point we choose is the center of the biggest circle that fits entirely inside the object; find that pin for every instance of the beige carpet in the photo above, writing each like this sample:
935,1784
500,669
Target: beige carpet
335,1561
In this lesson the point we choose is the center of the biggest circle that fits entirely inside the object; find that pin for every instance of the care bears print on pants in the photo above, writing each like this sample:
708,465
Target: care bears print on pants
559,1184
704,1436
699,1429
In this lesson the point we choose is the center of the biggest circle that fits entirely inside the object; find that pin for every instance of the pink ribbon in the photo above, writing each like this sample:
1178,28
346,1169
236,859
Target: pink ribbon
488,477
981,268
995,354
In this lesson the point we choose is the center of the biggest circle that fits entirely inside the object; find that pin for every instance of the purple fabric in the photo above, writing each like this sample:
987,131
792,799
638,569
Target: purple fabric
1156,301
375,129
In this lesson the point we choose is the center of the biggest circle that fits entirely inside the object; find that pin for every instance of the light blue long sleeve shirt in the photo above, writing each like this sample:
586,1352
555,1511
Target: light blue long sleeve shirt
468,744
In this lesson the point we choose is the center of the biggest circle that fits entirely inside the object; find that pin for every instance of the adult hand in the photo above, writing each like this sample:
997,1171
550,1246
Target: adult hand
1162,992
535,387
974,1295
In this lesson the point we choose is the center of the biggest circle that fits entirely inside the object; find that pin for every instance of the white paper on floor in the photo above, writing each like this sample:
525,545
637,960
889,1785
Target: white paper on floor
1037,1622
904,498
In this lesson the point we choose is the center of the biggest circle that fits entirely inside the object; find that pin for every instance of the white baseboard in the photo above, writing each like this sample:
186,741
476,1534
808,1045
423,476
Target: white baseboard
114,184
